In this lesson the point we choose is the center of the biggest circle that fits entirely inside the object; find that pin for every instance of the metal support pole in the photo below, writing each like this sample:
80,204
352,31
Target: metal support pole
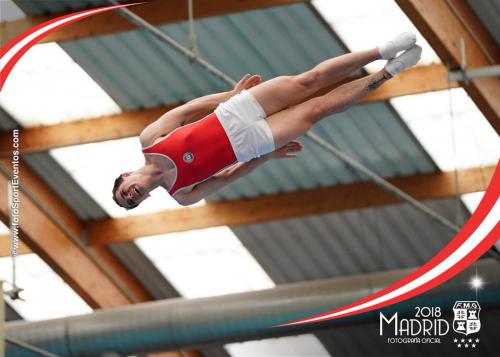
141,23
2,321
192,34
465,75
475,73
383,183
14,293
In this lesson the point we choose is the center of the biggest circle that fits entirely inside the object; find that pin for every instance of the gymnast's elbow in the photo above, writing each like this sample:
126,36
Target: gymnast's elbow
186,199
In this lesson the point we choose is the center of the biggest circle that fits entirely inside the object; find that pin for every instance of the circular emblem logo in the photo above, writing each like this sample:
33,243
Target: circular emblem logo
188,157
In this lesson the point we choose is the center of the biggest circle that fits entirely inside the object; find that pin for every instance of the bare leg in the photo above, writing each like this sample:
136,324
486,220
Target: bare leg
281,92
295,121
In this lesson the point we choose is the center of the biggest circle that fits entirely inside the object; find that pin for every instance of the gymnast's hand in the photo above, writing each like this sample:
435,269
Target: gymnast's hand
248,81
286,151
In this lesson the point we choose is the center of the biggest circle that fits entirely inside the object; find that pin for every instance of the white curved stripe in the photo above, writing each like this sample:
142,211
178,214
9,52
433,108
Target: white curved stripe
12,52
472,242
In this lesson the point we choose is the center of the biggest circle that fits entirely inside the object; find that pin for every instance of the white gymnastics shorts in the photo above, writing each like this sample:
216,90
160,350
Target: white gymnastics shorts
244,121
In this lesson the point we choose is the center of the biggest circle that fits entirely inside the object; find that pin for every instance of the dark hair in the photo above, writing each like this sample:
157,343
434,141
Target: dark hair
117,184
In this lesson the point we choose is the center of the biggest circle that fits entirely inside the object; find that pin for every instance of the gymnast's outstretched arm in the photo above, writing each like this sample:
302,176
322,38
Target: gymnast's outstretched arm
192,111
207,104
217,182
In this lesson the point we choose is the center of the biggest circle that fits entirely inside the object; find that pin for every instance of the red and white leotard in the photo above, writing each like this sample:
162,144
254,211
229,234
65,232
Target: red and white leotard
198,150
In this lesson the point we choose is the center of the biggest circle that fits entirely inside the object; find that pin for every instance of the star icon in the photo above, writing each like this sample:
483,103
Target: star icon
459,345
470,339
473,345
455,340
466,345
462,340
477,340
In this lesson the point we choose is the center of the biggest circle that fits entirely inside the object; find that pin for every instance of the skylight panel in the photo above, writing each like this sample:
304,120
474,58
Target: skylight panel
47,87
292,346
471,200
196,262
4,229
363,24
210,262
9,11
96,166
43,290
428,117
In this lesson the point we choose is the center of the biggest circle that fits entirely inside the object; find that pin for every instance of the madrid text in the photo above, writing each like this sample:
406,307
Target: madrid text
426,326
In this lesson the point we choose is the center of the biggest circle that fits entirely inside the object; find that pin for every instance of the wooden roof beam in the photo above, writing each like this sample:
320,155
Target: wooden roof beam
42,236
5,246
287,205
155,12
443,23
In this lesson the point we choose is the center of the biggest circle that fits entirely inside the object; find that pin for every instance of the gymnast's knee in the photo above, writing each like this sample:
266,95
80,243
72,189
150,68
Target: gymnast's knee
318,108
308,81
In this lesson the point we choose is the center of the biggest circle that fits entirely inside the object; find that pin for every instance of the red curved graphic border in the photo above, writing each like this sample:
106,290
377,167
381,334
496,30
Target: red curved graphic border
491,196
489,200
5,70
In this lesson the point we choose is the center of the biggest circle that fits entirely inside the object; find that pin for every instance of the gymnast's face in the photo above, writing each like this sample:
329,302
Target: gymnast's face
131,191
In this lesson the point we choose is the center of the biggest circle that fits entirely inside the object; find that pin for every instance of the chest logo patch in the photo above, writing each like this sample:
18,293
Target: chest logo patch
188,157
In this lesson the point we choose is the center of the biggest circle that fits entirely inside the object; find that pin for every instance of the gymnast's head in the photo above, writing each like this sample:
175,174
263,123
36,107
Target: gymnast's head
130,189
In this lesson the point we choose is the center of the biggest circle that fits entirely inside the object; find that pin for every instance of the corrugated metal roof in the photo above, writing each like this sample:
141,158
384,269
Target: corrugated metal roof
139,71
6,121
488,12
10,313
348,243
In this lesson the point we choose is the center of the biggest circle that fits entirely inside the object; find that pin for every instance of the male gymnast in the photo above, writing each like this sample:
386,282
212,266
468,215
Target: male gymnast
251,124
